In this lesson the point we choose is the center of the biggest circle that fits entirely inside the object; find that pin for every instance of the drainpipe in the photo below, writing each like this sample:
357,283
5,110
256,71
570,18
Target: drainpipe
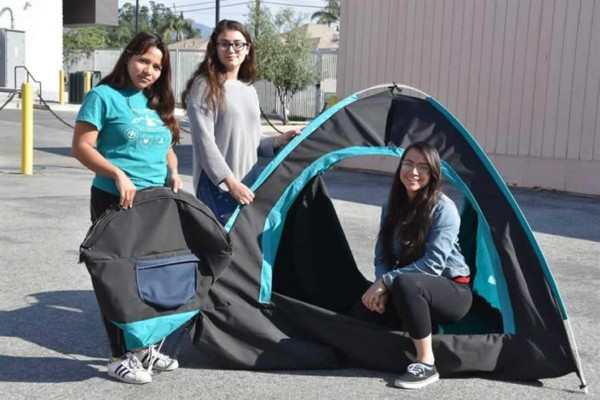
12,18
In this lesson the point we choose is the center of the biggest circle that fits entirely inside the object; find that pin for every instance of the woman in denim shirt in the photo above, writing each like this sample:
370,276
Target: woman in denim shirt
418,264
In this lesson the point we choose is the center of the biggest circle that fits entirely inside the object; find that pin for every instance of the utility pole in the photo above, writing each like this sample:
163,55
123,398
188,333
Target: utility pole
217,9
137,15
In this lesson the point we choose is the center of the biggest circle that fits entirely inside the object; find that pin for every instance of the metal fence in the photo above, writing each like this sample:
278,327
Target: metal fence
306,104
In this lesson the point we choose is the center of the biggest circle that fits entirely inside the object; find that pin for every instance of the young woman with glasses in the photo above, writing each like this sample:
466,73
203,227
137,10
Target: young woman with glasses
224,116
421,275
125,133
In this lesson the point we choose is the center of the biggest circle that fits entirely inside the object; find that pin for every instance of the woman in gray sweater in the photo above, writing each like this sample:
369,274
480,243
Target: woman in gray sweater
224,115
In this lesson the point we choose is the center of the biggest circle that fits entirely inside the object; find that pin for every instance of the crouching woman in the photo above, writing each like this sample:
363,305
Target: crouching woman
421,276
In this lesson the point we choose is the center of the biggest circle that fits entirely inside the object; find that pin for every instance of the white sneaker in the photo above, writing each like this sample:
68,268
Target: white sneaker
129,369
160,362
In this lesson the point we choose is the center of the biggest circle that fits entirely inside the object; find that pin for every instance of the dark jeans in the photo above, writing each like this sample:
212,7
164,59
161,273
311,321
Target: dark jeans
419,302
100,201
220,202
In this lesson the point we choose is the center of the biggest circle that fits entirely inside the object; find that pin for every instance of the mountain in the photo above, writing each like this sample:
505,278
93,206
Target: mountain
205,31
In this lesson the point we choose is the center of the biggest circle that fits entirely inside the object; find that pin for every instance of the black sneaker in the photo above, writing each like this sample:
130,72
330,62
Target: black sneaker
417,376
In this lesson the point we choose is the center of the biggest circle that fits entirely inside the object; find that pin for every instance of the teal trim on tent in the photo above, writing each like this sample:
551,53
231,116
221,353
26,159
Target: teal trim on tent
142,334
275,220
511,200
307,131
489,282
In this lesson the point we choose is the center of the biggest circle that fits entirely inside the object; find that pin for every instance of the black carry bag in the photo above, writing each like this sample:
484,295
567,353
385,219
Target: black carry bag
152,265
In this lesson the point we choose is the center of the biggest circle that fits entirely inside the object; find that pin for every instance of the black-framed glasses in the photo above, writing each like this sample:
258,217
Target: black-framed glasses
408,165
224,45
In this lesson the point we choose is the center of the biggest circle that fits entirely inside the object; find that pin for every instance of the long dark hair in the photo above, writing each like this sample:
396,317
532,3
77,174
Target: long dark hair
160,93
214,71
411,219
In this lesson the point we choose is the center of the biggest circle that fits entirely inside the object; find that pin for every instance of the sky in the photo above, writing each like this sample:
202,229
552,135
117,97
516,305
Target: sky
203,11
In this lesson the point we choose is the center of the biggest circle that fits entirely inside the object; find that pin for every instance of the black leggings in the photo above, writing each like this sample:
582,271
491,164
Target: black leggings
418,300
100,201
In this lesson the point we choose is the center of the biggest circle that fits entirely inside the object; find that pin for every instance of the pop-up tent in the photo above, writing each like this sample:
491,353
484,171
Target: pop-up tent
151,265
284,301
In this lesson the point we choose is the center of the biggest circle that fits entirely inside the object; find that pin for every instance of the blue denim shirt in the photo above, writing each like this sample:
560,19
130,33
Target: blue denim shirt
442,255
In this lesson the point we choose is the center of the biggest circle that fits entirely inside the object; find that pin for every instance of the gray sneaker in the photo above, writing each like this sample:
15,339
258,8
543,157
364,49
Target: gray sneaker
160,362
129,369
417,376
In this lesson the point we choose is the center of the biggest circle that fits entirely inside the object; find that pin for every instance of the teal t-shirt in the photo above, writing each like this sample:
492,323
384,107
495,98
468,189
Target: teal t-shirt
131,136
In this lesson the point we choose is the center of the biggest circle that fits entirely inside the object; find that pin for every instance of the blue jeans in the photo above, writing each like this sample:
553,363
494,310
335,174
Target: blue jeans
220,202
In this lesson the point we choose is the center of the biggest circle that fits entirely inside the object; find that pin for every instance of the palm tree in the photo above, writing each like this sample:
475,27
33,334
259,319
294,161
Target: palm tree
181,27
328,15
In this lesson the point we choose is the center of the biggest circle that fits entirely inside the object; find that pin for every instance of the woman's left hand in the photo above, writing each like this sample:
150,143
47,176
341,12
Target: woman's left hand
285,138
375,297
175,182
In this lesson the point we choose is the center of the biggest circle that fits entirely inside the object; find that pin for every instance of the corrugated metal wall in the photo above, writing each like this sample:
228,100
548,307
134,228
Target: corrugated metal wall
522,75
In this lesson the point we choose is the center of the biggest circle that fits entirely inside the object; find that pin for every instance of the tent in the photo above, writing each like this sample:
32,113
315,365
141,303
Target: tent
281,304
151,265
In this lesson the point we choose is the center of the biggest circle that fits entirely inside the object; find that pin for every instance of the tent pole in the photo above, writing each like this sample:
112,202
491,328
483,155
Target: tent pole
583,385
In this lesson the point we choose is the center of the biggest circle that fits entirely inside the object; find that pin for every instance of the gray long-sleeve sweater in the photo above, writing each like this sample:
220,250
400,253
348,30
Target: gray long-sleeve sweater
227,141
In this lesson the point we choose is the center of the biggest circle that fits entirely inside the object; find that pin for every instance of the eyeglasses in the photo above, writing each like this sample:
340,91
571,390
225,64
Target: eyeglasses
237,46
409,166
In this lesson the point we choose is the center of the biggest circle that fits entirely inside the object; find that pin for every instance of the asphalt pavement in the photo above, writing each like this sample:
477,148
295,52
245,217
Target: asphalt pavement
52,343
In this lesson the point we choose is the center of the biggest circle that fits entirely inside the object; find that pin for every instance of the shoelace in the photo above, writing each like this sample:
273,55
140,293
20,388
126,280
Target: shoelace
155,354
416,369
134,364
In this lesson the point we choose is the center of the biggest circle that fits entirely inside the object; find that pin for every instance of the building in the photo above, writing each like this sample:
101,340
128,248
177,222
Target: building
40,23
522,76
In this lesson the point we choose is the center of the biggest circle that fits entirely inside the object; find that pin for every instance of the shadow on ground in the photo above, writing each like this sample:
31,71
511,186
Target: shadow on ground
65,322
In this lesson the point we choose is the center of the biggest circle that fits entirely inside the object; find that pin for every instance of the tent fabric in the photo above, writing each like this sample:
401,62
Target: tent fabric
151,265
285,307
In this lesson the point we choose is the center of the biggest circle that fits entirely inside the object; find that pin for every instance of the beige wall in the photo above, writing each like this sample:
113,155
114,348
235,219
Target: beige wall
522,76
42,23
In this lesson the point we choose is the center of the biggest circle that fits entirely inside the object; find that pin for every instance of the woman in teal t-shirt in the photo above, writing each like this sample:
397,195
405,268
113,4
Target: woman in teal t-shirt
125,133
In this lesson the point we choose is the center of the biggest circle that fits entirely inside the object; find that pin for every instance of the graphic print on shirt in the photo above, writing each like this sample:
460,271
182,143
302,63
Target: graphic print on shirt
147,129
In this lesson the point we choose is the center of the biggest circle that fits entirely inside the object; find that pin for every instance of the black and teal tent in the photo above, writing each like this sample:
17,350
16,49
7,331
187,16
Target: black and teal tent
151,265
282,304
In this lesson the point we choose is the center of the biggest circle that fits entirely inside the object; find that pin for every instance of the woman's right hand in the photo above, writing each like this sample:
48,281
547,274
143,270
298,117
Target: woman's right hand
375,298
126,190
240,192
85,137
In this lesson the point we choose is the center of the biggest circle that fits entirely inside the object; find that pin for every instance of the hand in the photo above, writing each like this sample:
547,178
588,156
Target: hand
285,138
240,192
126,190
175,182
375,298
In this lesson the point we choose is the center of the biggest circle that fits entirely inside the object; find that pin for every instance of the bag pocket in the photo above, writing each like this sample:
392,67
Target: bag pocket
168,282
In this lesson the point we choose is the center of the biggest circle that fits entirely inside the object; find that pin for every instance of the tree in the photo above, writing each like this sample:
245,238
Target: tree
81,42
154,18
122,34
265,37
328,15
283,53
160,15
177,28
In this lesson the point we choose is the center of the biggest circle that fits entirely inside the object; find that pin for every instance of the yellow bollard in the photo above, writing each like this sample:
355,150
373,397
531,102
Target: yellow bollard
27,129
87,84
332,100
61,87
